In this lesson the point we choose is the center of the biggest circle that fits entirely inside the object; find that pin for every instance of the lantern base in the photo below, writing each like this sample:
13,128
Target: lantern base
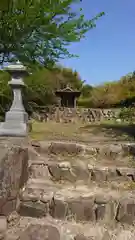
11,129
15,124
16,116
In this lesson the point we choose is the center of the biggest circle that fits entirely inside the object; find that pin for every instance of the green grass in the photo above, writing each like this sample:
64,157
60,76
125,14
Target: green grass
104,131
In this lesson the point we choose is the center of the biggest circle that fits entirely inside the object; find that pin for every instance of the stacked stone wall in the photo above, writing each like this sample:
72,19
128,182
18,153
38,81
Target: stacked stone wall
75,114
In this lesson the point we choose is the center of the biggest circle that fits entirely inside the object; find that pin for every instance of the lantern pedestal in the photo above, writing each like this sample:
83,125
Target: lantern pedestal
16,119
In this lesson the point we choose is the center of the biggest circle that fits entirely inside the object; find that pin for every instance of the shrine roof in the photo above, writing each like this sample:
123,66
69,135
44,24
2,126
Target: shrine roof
67,89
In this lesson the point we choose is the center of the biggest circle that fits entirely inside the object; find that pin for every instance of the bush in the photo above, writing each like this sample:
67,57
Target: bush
127,114
84,102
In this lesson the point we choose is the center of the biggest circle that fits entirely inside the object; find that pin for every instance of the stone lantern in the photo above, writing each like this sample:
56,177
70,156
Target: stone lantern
16,118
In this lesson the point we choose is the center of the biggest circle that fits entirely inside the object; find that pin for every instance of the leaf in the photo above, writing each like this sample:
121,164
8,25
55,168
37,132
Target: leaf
39,31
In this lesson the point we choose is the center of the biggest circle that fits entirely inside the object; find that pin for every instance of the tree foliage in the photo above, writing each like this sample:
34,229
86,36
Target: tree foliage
112,94
43,83
41,86
39,31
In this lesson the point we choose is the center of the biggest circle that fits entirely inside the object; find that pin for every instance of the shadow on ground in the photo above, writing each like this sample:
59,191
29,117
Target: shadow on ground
117,131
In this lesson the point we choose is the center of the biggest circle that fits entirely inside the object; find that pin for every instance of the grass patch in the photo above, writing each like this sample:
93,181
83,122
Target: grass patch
129,186
104,131
54,130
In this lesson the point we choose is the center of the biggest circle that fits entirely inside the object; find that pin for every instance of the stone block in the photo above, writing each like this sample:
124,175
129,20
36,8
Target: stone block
80,173
40,232
126,211
65,148
33,209
8,207
82,237
106,208
13,171
100,212
39,171
58,208
3,224
99,175
81,210
55,171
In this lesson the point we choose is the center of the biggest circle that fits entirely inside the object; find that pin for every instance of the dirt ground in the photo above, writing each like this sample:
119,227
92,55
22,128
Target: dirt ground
103,132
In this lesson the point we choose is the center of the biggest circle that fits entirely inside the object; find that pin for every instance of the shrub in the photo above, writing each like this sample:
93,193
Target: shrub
84,102
127,114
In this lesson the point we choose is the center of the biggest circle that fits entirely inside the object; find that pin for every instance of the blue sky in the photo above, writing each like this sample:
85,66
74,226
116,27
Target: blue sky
108,51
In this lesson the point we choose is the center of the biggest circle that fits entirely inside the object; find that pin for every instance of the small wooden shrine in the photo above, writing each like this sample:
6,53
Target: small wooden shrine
67,97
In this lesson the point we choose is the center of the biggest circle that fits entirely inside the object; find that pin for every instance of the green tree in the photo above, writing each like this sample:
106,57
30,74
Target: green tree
39,31
69,77
86,90
5,92
43,83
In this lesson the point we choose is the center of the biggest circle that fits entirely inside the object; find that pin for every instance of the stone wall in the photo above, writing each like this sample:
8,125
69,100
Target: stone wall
13,172
74,115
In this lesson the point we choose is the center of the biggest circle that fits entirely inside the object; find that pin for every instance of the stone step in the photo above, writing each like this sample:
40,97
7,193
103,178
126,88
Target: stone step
78,203
50,229
110,149
111,155
67,171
